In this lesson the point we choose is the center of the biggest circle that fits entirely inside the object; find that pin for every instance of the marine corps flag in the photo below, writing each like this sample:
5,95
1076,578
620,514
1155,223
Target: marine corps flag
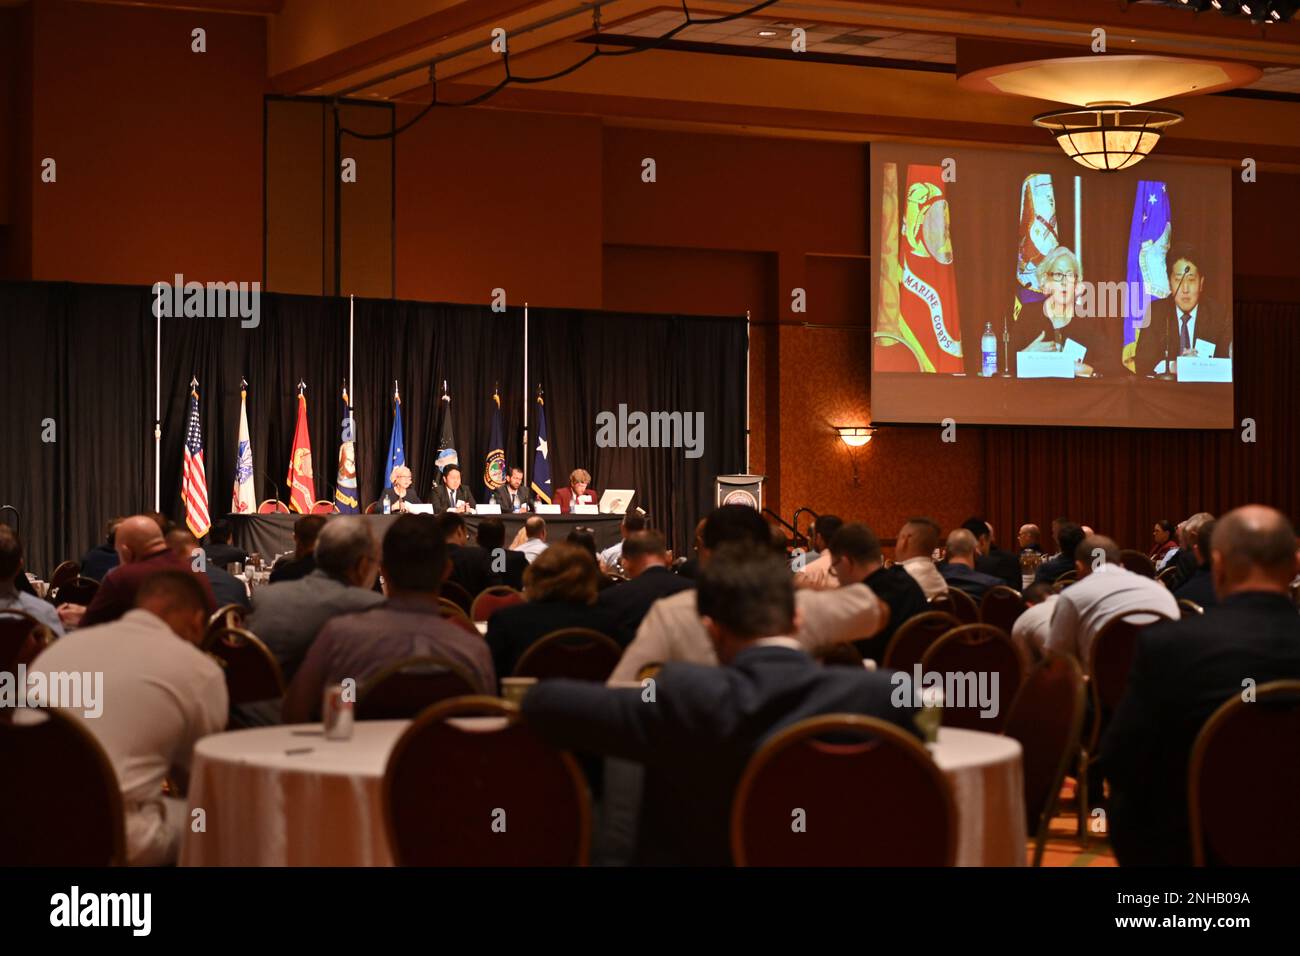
494,466
345,486
928,279
302,486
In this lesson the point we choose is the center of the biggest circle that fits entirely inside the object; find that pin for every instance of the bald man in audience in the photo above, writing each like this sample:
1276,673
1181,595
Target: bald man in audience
1030,538
672,630
1105,590
959,570
1184,670
914,550
143,552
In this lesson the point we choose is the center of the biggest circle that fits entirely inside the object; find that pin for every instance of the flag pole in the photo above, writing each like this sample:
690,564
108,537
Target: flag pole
524,464
157,413
747,319
352,312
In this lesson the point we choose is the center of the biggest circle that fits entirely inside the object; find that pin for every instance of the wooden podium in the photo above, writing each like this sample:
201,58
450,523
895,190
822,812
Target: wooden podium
739,490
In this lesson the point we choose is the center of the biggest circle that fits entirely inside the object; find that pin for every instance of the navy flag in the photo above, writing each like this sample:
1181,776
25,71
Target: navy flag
345,486
541,483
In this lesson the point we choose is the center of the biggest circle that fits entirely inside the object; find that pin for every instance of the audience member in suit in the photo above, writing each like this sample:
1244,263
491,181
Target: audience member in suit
287,616
857,558
398,494
690,566
513,496
471,565
959,571
226,588
645,559
815,572
102,558
1029,538
302,562
1199,587
1185,560
1162,543
914,549
1184,670
143,553
1183,318
578,492
585,538
696,741
451,495
560,587
672,630
219,550
504,565
991,559
1069,536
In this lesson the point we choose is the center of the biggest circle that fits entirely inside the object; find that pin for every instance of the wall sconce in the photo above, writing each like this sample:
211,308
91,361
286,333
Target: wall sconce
855,436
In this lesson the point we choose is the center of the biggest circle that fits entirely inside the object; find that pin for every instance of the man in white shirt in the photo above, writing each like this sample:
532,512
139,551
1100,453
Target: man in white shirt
534,542
914,550
631,524
1104,591
673,631
160,694
1033,626
815,574
11,599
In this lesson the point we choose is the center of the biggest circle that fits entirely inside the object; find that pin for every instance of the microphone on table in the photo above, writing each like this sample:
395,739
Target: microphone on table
273,482
1168,375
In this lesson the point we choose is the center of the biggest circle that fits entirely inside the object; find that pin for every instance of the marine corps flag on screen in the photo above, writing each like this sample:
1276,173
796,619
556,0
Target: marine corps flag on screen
542,457
345,485
896,348
302,486
1148,253
494,466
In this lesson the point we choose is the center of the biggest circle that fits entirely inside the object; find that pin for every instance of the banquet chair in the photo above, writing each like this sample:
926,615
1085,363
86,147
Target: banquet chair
493,599
1166,576
77,591
1189,608
323,507
1065,580
228,615
1244,781
65,572
649,670
372,508
70,806
978,649
483,792
957,603
579,653
1110,658
453,612
22,637
272,506
913,639
457,594
840,655
1001,606
405,688
872,793
1046,719
1137,562
252,672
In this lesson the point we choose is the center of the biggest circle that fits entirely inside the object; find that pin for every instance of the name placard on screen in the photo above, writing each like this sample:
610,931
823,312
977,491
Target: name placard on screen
1044,365
584,510
489,509
1193,368
544,509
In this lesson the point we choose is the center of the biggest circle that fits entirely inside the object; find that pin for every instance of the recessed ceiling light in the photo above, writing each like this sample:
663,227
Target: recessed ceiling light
767,33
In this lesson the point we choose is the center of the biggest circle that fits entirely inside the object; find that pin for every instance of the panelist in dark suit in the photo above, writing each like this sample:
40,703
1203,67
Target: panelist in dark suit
398,494
1184,670
1183,318
450,494
513,497
708,721
645,559
579,482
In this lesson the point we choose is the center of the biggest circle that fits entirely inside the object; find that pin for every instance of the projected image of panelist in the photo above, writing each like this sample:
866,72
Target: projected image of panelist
1187,323
1055,326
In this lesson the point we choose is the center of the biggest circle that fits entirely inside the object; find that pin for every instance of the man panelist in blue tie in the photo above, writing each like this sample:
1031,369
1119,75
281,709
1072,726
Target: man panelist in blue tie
1186,322
451,495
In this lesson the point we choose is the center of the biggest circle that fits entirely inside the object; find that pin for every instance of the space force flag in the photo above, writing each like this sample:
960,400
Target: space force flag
446,440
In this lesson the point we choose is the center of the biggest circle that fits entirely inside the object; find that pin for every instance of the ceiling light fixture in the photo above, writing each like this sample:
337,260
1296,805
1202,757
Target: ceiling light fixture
1108,136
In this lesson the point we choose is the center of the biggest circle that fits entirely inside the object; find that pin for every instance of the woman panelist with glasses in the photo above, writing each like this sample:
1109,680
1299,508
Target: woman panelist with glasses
1049,329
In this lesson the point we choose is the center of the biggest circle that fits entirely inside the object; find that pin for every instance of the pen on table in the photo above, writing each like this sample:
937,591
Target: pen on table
299,750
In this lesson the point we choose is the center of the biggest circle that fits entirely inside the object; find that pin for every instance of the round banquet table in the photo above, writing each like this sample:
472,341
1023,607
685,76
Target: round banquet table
286,796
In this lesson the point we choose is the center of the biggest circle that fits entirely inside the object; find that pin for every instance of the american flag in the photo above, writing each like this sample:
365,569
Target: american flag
194,484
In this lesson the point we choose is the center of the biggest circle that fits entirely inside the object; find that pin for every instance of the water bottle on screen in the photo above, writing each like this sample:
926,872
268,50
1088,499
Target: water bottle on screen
388,507
989,351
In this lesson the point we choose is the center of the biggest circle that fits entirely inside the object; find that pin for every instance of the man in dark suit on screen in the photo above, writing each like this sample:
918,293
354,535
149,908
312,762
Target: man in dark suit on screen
1182,319
1185,670
450,494
706,722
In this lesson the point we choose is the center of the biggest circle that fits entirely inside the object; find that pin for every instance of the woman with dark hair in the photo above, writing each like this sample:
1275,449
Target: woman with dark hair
1165,544
560,590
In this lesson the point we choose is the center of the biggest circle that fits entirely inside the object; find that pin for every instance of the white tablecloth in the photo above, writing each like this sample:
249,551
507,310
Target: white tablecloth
286,796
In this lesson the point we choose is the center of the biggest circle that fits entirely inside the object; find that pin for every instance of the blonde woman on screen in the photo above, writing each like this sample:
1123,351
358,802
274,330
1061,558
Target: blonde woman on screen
1059,277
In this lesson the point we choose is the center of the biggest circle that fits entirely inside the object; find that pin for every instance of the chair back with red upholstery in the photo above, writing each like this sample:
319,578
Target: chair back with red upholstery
870,793
61,799
457,595
1137,562
452,612
403,689
580,653
1244,781
65,572
252,672
77,591
1001,607
1110,658
957,603
913,639
492,600
972,654
372,508
1189,608
272,507
22,637
483,792
1046,718
323,507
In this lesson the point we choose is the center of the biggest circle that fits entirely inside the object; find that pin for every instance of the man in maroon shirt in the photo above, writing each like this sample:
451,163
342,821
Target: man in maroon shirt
143,552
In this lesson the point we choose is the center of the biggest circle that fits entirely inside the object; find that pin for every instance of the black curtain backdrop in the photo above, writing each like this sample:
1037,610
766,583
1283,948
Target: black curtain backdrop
83,357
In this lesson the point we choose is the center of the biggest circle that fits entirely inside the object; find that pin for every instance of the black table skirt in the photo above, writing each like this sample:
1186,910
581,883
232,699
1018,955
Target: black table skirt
270,535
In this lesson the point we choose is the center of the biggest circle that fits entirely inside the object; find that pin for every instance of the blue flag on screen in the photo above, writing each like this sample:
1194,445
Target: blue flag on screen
1148,248
345,486
541,458
494,465
396,447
